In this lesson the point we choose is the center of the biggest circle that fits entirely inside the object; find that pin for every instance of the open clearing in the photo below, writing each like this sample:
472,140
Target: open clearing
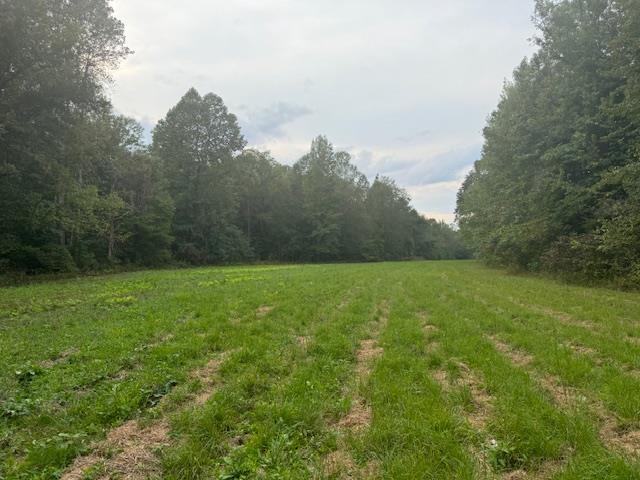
393,370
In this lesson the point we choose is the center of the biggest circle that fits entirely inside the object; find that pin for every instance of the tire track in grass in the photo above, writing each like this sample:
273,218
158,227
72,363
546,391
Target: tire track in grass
600,345
536,429
562,317
504,401
477,417
267,420
579,347
414,432
571,398
613,369
339,463
129,450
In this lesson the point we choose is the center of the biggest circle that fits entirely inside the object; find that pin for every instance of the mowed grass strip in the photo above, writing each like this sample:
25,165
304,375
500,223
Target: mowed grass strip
458,371
119,368
602,367
339,463
270,418
531,432
413,433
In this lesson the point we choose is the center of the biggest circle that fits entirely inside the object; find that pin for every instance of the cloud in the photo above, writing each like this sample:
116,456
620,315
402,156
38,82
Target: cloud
436,200
413,137
408,171
269,122
448,218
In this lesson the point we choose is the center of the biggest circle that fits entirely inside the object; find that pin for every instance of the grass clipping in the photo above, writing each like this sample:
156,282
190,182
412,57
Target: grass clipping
129,451
339,463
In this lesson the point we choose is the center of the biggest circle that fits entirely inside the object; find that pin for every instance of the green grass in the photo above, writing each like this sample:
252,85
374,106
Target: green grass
81,357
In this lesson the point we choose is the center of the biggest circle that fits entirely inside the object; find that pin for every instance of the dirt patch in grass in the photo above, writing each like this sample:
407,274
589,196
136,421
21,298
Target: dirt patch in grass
515,475
358,418
429,329
581,349
479,416
343,303
238,441
433,347
633,340
441,377
567,397
565,318
134,456
263,310
563,395
147,346
482,400
339,463
129,451
516,356
207,376
367,353
547,470
562,317
303,341
60,358
626,441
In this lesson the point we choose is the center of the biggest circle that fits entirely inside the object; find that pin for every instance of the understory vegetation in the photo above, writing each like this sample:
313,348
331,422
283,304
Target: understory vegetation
387,370
80,190
558,186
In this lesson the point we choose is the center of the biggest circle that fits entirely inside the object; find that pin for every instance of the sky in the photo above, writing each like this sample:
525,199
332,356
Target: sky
404,86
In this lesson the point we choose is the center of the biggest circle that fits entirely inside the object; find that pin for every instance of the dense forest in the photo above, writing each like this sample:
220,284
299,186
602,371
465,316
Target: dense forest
557,188
80,190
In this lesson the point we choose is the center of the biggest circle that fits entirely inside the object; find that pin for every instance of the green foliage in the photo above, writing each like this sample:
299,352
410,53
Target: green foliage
80,191
504,457
556,187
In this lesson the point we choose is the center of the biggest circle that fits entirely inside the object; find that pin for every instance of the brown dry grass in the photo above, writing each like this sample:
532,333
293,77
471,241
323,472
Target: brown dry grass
584,350
482,406
567,397
60,358
207,376
339,463
358,418
135,457
562,317
135,445
367,353
517,357
263,310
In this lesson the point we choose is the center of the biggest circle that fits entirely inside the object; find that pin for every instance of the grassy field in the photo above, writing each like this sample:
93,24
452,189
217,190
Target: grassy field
397,370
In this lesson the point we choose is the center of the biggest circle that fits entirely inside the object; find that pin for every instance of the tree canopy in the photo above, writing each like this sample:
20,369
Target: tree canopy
556,188
79,189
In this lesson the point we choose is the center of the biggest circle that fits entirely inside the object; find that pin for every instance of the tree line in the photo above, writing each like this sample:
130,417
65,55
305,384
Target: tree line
80,190
557,188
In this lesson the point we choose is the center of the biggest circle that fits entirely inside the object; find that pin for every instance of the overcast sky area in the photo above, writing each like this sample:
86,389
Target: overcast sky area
404,86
